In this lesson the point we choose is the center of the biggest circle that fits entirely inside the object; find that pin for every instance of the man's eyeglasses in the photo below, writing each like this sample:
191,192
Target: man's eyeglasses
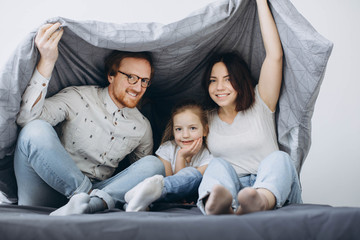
133,79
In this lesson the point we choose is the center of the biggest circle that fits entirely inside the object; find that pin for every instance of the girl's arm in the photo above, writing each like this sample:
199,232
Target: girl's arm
202,169
180,161
185,154
167,165
271,70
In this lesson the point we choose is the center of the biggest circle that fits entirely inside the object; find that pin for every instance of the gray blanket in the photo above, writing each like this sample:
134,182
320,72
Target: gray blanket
181,50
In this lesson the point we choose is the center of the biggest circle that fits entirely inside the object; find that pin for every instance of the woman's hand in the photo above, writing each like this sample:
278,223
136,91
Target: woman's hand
47,40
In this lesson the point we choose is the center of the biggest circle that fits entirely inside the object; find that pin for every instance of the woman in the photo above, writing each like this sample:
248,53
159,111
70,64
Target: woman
249,173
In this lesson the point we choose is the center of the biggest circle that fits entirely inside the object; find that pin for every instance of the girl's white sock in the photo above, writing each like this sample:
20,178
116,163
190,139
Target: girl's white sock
143,194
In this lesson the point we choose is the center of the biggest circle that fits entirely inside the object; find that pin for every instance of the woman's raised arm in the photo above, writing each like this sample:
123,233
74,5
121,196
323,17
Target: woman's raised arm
271,70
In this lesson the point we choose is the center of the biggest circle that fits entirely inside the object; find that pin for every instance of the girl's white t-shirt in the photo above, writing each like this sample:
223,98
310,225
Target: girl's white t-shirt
168,151
247,140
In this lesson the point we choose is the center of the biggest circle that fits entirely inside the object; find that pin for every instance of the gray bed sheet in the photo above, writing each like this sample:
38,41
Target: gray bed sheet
308,221
181,50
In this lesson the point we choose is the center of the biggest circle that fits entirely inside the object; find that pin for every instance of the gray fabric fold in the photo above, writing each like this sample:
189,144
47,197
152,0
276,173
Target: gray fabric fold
181,50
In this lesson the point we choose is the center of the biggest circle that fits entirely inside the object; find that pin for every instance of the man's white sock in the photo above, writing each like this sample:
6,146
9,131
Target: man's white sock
77,204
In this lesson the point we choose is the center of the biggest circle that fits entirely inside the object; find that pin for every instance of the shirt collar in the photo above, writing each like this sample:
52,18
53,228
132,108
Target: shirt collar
108,102
110,105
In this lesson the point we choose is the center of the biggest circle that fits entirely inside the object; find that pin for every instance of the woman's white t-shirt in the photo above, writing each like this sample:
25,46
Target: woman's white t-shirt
247,140
168,151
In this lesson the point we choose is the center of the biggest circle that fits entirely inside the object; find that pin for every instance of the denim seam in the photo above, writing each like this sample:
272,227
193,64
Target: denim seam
200,203
104,196
273,190
85,187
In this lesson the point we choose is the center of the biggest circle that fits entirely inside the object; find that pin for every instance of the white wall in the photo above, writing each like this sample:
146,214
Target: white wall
18,17
331,173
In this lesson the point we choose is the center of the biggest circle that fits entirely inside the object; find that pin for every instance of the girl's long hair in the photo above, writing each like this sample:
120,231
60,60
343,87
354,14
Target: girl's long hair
191,105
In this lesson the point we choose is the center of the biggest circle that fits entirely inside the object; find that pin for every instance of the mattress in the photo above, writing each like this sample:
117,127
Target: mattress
171,221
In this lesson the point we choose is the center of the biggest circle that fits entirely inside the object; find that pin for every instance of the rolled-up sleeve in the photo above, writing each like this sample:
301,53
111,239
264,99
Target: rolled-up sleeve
28,109
53,110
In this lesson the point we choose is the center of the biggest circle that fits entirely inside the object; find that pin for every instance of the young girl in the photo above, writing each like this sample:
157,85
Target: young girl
184,155
248,172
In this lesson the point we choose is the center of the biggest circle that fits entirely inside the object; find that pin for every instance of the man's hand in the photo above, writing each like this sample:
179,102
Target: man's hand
47,40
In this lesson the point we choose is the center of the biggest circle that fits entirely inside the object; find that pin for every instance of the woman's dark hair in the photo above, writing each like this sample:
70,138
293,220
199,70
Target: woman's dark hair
240,80
112,62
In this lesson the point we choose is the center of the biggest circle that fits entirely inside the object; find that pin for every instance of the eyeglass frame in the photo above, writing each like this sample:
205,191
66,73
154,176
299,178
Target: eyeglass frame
128,76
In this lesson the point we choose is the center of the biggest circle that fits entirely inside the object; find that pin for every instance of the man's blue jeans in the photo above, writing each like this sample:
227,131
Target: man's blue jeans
276,173
45,172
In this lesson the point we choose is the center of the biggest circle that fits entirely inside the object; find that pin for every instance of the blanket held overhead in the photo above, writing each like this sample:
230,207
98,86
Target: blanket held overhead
180,51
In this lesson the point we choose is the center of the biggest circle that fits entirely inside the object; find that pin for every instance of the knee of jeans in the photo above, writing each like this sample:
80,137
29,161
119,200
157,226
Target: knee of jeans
152,163
190,171
35,132
282,159
216,162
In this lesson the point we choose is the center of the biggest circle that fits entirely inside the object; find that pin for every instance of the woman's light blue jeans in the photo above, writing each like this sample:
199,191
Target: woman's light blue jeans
181,186
276,173
47,175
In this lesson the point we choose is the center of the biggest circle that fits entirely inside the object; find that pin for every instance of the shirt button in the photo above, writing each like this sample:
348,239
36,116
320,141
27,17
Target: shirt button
115,123
44,84
112,138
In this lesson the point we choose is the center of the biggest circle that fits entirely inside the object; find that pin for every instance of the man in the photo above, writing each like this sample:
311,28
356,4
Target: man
99,127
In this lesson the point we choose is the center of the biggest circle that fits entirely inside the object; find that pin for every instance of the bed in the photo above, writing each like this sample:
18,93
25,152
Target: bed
306,221
180,51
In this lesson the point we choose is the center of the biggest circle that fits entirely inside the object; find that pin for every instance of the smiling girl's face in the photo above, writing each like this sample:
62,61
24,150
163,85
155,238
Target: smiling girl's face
187,128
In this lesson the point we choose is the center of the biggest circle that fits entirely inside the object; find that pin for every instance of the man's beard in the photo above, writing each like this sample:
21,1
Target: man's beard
124,101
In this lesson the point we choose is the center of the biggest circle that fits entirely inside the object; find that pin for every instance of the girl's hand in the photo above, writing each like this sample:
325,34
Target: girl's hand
46,41
189,152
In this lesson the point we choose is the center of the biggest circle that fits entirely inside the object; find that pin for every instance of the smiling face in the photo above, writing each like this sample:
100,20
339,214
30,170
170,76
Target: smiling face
121,91
187,128
220,89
